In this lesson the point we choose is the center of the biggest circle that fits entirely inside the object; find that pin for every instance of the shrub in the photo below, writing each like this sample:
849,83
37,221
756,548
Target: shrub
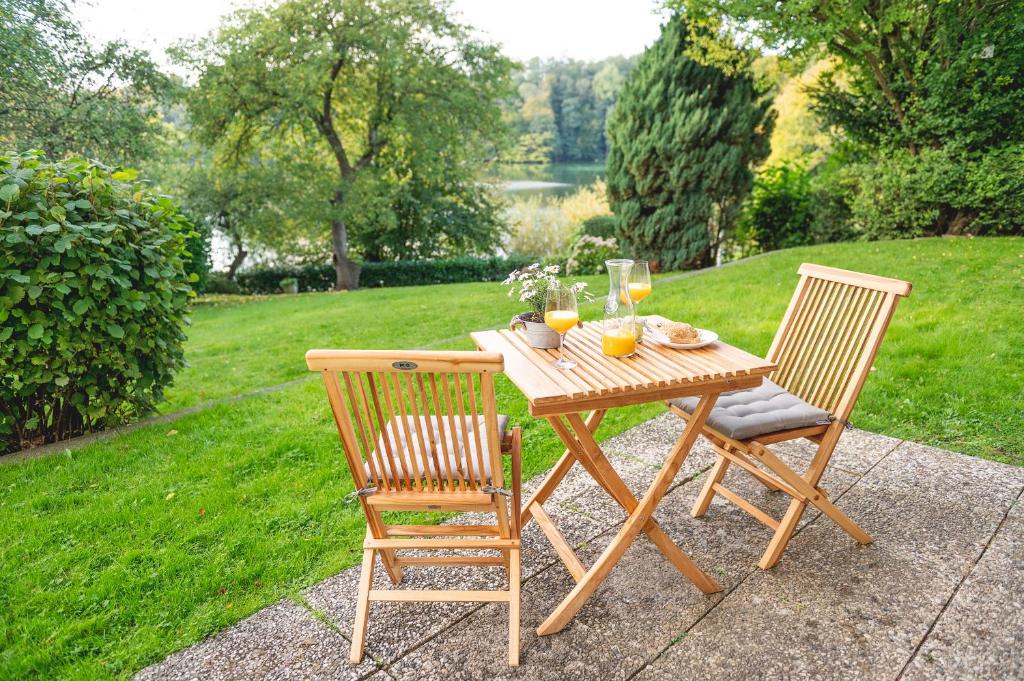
544,227
93,296
603,226
589,254
217,282
939,191
197,261
388,273
778,214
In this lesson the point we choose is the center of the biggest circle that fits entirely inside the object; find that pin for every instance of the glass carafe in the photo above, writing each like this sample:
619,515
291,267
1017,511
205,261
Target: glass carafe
618,337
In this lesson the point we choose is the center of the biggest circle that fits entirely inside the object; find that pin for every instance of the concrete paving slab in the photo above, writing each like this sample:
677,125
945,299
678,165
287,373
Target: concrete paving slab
981,633
635,614
283,641
832,609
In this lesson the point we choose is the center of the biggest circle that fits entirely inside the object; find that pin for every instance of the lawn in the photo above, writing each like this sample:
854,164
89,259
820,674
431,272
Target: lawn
123,551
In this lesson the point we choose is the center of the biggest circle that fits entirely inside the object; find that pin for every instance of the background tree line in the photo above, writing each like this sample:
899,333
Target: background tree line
561,109
351,131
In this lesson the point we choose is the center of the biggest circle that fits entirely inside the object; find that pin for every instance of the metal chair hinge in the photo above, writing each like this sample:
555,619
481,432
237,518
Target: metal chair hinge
364,492
491,489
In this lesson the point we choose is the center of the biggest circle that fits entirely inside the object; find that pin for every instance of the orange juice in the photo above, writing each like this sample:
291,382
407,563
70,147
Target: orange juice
637,292
618,342
561,320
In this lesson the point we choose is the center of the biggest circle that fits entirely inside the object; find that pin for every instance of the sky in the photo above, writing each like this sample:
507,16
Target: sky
577,29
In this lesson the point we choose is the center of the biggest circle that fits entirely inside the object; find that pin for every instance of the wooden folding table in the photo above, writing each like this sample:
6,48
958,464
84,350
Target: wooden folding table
654,374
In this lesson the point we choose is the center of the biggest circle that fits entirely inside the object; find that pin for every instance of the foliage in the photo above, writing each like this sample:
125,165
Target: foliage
544,227
943,80
380,274
530,285
799,135
93,296
219,283
604,226
919,73
778,213
562,108
436,216
376,94
589,253
259,206
61,94
197,262
684,136
935,192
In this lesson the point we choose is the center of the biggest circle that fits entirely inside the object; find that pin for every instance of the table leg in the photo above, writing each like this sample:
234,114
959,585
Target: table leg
555,476
637,521
609,478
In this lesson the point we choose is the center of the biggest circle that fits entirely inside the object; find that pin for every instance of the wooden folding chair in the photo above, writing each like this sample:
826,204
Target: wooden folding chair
421,432
824,350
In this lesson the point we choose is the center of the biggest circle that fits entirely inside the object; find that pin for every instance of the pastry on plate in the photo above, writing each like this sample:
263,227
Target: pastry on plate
679,332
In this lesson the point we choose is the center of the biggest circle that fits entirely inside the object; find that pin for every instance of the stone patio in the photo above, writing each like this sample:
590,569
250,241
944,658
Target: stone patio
938,595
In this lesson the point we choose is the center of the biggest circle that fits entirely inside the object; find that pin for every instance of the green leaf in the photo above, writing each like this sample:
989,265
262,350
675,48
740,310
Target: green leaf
80,306
6,332
8,192
61,381
115,330
34,230
35,291
62,244
35,331
58,213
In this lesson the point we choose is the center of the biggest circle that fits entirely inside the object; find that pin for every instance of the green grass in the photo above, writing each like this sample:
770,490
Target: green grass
130,548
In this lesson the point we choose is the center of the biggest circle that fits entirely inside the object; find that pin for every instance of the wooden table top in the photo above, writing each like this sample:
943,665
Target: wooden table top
653,374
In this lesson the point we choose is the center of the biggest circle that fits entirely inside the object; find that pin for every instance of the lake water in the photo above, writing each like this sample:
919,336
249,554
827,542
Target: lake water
553,179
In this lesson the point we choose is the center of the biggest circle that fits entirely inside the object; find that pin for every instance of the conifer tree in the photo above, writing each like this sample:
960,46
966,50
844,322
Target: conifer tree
683,138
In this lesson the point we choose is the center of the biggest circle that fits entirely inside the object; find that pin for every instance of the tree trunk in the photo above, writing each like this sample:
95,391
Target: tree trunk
236,262
346,272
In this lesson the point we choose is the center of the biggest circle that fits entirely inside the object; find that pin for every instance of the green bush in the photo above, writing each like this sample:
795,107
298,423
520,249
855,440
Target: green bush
380,274
938,191
217,282
197,261
93,296
589,253
778,213
603,226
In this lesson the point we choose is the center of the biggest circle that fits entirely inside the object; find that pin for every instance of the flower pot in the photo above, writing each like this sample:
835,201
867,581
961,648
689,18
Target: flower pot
538,334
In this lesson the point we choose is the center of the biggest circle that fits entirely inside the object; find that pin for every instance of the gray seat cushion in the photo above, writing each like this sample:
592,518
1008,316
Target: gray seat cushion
744,414
411,452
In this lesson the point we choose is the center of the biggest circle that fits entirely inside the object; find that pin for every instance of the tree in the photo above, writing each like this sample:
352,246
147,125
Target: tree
683,138
59,94
366,91
914,73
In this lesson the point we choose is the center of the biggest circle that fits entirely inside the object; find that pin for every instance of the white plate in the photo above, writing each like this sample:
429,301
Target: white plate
706,338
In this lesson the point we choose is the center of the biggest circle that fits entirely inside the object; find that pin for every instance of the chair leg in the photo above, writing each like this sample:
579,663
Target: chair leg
708,493
782,534
513,608
362,607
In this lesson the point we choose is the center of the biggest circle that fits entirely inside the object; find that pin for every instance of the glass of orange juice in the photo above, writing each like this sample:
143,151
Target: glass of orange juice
561,314
639,287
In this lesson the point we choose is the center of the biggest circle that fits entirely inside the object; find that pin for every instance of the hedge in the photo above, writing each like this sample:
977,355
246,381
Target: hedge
380,274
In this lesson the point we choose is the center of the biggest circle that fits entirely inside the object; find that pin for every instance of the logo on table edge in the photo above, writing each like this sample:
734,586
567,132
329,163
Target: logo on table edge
404,365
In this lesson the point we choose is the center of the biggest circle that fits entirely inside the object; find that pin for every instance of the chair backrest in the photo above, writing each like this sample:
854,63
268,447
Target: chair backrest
415,421
830,335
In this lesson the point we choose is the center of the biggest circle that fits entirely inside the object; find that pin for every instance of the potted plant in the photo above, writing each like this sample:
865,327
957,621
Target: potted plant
289,285
530,284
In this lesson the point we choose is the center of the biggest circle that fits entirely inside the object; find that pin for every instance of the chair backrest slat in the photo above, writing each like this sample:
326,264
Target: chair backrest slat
831,333
415,421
